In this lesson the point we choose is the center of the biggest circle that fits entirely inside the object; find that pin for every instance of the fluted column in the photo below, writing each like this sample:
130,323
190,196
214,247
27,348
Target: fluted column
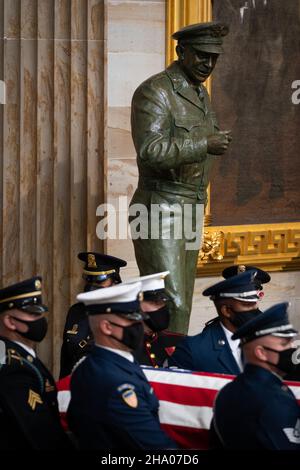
52,146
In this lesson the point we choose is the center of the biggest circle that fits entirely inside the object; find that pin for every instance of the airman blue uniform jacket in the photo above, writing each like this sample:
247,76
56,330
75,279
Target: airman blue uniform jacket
113,405
208,351
257,411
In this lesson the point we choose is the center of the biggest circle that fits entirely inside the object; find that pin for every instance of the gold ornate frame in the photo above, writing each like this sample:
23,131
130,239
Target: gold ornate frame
274,247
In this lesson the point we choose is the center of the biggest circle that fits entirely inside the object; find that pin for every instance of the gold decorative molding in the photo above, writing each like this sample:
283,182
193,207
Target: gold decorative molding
273,247
212,247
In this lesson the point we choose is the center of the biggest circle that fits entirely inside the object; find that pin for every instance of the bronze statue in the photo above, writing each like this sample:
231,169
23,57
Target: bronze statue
176,137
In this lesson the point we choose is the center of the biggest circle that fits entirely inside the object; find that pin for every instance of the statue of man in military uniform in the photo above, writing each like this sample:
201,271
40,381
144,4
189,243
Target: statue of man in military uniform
177,138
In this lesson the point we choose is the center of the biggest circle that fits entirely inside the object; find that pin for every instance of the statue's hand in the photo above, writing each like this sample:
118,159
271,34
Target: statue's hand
217,144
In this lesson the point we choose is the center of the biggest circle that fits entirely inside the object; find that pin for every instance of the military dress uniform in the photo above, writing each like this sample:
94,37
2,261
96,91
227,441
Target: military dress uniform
113,406
29,417
157,347
209,351
170,121
257,410
77,336
77,339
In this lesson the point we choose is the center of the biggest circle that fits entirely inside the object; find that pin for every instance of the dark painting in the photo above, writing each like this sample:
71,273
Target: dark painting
258,179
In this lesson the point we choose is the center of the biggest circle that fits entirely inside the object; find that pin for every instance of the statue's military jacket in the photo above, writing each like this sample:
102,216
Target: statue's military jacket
171,120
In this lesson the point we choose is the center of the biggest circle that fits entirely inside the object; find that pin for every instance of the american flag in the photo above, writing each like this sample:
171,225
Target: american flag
186,402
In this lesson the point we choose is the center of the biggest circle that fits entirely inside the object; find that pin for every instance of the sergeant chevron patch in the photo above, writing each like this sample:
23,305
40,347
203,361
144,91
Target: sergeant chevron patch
33,399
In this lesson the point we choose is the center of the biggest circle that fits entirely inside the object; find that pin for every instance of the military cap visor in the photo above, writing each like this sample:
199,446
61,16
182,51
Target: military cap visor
156,295
92,278
25,296
130,310
274,322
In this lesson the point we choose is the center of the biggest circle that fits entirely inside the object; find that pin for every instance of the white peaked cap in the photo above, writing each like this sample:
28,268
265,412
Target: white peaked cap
151,281
121,293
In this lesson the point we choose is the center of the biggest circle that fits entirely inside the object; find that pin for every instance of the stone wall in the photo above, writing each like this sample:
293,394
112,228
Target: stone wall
136,50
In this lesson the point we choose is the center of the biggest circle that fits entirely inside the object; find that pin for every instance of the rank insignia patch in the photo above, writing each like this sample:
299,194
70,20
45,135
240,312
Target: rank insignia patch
33,399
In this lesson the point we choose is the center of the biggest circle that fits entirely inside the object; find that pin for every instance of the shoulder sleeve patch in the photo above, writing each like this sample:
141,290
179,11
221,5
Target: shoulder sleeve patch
128,395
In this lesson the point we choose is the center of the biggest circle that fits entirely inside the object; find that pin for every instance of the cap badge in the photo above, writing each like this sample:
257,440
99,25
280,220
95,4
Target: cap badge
92,261
37,284
241,268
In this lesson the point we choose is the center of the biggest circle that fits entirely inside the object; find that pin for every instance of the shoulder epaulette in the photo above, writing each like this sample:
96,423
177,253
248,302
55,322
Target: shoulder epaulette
13,357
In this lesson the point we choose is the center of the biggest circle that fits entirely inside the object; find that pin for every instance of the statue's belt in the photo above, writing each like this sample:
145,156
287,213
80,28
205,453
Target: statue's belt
198,193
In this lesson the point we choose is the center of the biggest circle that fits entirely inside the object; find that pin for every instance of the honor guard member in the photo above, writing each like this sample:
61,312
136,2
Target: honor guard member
214,350
99,271
159,343
257,410
112,403
29,416
262,277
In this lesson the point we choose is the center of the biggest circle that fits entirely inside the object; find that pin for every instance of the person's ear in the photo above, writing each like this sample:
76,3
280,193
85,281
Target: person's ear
105,327
9,323
180,52
260,353
225,310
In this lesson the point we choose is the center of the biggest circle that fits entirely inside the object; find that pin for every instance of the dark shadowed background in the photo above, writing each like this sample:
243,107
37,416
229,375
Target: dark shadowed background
258,180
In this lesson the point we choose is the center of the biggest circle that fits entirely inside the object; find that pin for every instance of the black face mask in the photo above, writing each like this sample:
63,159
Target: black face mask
159,319
240,318
287,363
132,335
37,329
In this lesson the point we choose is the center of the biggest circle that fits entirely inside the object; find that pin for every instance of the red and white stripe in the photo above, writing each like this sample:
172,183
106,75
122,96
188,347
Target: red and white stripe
186,402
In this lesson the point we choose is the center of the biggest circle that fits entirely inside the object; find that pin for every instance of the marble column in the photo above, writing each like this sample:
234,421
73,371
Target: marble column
52,146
